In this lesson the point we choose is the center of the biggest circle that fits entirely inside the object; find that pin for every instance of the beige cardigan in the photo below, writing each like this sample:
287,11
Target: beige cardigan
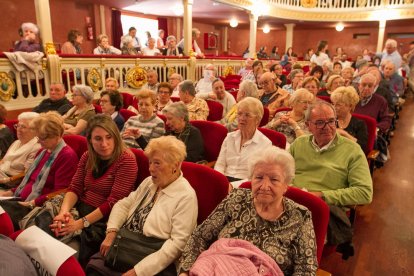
173,217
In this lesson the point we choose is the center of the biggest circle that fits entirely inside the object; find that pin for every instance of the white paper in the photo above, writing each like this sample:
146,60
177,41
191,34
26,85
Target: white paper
2,210
6,197
48,251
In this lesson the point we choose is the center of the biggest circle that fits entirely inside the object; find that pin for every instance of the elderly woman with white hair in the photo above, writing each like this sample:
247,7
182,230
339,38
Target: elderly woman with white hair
264,217
334,81
76,119
292,123
247,88
296,78
151,50
128,46
28,41
21,153
205,84
240,145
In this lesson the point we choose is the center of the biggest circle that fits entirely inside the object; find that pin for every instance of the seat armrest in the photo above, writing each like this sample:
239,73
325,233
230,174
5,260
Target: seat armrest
53,194
373,154
321,272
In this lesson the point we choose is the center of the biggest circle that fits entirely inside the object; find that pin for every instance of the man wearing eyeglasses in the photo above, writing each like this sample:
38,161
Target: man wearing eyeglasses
272,97
331,166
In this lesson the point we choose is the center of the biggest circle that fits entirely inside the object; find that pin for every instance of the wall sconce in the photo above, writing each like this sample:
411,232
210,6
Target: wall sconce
339,27
266,29
234,23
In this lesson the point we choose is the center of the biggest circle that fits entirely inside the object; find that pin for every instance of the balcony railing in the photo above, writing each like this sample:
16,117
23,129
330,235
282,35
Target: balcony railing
340,5
20,90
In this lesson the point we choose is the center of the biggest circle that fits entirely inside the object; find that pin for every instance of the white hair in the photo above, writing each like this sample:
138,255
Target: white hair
30,26
27,116
275,156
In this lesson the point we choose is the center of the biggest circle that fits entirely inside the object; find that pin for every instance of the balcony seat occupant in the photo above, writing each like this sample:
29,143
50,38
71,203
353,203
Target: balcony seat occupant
104,48
51,171
29,39
74,43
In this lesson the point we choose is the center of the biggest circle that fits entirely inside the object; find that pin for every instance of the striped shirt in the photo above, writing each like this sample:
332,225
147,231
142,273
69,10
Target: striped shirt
116,183
152,128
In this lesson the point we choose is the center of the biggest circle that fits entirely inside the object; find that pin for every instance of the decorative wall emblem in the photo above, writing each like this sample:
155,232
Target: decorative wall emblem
136,77
7,87
94,80
50,48
229,70
309,3
171,70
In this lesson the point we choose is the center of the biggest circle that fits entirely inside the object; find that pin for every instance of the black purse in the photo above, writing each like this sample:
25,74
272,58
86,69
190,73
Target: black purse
129,248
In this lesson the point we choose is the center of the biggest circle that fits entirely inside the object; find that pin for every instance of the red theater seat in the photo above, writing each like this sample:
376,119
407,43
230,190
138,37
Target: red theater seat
277,138
126,114
77,142
216,111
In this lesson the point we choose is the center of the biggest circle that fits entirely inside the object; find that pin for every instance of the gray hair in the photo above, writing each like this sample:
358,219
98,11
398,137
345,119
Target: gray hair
253,105
85,90
318,104
171,37
151,39
249,88
187,86
30,26
275,156
294,72
177,109
127,39
27,116
178,76
391,42
368,76
300,94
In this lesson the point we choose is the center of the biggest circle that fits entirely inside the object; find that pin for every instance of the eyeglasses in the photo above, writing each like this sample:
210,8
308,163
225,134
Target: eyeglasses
266,82
42,138
320,124
74,95
305,102
16,126
369,85
163,92
103,101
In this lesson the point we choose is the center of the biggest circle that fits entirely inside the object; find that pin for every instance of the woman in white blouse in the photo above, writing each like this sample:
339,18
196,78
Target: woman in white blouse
320,55
240,145
21,153
167,207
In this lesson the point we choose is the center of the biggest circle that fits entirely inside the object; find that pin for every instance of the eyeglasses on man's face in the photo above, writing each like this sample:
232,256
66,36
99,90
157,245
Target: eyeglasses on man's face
319,124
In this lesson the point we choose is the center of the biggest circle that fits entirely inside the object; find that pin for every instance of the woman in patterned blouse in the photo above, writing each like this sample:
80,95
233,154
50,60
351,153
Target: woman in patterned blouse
263,216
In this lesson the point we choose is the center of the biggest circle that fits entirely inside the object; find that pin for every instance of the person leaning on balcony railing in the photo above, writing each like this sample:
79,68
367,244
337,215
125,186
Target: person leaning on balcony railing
151,49
28,41
128,46
104,48
73,45
172,49
76,119
57,101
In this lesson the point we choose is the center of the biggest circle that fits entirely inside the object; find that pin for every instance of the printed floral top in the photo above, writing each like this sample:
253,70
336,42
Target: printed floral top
290,240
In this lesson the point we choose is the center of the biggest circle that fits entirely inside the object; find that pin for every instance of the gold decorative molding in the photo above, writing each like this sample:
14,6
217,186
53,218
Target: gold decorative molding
308,3
136,77
228,70
7,87
50,48
171,70
94,80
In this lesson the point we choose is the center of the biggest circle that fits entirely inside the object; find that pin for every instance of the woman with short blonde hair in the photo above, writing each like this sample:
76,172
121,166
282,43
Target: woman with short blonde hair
104,48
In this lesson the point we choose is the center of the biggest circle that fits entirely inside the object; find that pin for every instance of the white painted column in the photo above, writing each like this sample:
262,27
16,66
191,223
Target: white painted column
225,38
188,25
43,20
289,35
178,31
253,35
102,19
381,31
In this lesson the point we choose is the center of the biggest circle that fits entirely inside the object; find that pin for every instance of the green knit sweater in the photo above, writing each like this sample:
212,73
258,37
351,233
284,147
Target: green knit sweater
341,172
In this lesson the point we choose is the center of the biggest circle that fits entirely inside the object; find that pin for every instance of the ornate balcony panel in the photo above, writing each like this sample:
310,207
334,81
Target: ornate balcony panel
329,10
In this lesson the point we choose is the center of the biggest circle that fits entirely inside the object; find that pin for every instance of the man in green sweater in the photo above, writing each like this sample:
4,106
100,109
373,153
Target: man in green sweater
333,168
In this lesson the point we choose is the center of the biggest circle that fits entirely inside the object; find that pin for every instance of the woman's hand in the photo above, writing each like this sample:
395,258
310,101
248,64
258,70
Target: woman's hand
30,203
64,224
130,272
131,132
68,126
6,193
106,244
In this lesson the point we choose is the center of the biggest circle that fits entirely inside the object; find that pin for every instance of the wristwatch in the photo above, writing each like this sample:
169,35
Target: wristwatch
85,222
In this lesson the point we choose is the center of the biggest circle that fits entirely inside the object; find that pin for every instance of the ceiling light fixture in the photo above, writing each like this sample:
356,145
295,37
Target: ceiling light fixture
178,10
234,23
266,29
339,27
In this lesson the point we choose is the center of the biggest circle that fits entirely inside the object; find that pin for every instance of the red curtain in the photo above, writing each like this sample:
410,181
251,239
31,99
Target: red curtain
163,25
116,28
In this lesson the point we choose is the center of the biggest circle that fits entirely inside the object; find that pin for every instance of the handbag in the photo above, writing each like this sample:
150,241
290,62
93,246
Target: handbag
129,248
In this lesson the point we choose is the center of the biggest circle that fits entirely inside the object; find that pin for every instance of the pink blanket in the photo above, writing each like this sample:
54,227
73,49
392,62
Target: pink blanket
234,257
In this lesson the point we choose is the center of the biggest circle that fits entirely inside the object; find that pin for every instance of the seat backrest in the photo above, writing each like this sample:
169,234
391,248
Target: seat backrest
265,118
127,99
143,165
11,125
213,136
175,99
277,138
234,92
78,143
216,111
318,208
6,224
126,113
371,124
98,108
210,186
